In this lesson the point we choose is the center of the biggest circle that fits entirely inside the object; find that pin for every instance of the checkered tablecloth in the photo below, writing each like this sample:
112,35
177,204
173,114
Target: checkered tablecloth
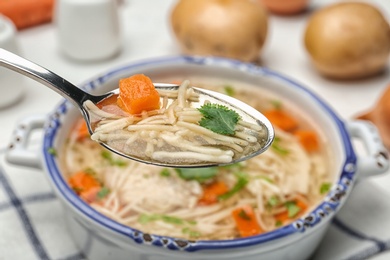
32,227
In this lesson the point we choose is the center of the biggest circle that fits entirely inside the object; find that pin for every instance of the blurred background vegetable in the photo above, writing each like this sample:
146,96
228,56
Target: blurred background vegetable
227,28
284,7
348,40
27,13
380,116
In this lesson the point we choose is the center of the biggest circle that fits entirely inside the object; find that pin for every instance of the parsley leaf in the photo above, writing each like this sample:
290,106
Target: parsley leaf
219,119
198,174
325,187
278,223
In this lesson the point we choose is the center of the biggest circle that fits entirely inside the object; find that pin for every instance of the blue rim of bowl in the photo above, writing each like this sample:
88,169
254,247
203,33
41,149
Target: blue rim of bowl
329,205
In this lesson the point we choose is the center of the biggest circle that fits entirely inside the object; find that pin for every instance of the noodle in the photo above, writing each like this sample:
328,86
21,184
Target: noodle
174,117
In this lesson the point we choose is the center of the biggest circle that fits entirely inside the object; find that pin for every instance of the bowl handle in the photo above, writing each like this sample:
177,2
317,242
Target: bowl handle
376,161
17,152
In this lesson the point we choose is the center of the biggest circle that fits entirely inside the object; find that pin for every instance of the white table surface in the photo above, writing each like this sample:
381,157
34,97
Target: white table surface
146,34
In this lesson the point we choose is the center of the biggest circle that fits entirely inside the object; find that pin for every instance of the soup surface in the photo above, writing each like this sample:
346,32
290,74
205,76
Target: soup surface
238,200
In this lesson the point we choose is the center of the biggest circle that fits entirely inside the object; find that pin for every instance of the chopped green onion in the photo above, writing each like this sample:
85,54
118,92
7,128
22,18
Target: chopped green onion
108,156
277,148
325,187
277,104
278,223
198,174
273,201
242,214
292,209
229,90
242,181
165,173
190,232
52,151
144,219
103,192
266,178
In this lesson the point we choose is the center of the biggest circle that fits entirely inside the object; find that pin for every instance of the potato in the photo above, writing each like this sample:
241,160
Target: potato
348,40
227,28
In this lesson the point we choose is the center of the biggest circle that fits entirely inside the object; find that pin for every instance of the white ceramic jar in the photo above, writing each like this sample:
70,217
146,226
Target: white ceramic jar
88,30
11,83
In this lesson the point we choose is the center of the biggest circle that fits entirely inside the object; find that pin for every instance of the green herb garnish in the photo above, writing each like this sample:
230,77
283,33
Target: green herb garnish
325,187
292,209
190,232
198,174
278,223
242,214
229,90
242,181
266,178
103,192
108,156
219,119
145,218
273,201
165,173
233,166
52,151
90,171
277,148
277,104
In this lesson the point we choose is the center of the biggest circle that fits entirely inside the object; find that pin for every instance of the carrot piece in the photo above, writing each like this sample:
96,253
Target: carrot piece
137,93
26,13
308,139
246,221
212,191
82,129
83,182
284,216
281,119
90,195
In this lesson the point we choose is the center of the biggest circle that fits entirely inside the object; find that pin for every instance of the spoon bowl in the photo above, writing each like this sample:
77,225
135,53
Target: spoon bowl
81,99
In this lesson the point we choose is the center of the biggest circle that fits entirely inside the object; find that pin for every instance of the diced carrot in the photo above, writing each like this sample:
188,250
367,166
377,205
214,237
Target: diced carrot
90,195
83,182
284,216
281,119
308,139
212,191
246,221
137,93
26,13
82,129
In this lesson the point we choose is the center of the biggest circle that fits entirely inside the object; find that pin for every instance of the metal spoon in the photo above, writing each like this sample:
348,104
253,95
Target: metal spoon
78,97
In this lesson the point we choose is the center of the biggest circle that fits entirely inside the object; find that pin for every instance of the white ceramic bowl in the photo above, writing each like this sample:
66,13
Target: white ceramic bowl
99,237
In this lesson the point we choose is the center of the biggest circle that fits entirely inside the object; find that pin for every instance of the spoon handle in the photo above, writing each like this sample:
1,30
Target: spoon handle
44,76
